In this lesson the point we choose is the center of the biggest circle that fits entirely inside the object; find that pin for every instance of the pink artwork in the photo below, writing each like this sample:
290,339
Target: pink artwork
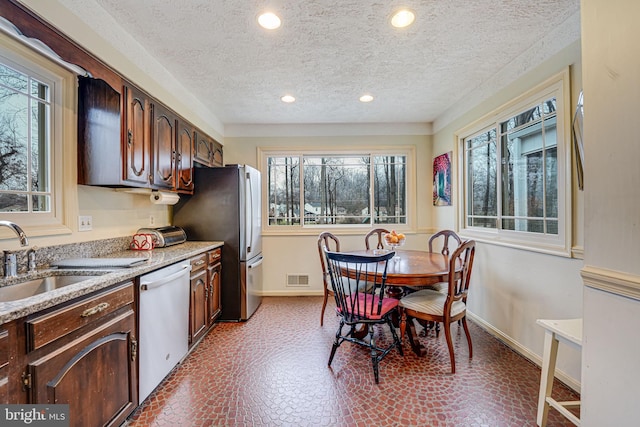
442,179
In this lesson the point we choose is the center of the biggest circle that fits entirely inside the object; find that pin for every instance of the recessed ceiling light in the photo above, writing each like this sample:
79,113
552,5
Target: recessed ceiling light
269,20
288,99
366,98
403,18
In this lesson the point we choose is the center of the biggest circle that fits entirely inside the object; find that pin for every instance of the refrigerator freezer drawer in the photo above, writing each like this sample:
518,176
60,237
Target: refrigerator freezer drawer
251,286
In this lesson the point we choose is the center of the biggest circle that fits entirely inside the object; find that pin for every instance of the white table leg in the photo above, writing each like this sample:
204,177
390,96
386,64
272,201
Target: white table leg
549,355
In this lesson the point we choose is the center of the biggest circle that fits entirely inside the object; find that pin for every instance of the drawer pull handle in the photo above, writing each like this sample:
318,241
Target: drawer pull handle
94,310
200,262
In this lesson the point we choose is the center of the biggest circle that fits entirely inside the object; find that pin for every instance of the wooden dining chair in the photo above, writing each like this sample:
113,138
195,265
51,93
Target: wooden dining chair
359,290
326,239
446,308
380,232
445,235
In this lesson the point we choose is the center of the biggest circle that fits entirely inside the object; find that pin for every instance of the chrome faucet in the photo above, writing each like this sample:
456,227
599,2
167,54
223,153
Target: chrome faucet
9,258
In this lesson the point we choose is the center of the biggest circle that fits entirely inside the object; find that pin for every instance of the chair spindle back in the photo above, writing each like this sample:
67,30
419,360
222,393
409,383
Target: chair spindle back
358,284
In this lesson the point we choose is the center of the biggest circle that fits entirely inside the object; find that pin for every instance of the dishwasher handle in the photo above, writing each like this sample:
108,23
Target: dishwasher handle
145,286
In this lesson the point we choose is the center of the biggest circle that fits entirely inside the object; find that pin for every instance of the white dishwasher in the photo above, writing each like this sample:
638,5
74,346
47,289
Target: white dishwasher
164,324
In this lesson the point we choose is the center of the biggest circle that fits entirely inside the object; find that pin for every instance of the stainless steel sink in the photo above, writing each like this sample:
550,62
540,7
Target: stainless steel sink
38,286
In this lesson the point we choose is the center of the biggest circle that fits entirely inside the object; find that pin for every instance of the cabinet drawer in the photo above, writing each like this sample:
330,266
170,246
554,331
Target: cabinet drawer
198,262
215,255
42,330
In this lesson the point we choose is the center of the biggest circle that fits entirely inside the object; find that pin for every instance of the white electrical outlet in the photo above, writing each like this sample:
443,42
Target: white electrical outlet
152,220
85,223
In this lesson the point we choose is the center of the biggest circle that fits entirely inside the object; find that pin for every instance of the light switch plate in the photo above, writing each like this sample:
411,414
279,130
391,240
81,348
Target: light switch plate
85,223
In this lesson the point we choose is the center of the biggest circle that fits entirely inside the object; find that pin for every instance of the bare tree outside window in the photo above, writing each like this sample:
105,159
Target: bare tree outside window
338,190
24,143
527,160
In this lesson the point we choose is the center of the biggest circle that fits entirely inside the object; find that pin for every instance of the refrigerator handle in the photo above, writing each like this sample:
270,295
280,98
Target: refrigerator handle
257,263
249,206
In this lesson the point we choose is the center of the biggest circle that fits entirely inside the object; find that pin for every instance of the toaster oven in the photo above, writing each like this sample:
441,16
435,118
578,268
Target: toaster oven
165,236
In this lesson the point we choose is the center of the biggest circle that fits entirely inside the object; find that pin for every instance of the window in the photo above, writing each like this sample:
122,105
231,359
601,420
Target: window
306,189
36,126
516,172
25,163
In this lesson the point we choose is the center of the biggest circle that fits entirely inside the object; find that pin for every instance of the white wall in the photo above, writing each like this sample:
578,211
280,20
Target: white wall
611,66
511,288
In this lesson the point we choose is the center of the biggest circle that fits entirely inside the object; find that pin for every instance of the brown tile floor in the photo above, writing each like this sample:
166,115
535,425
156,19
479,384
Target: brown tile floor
272,371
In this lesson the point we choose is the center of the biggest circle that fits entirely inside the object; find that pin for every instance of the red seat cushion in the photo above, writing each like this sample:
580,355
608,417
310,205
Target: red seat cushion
368,310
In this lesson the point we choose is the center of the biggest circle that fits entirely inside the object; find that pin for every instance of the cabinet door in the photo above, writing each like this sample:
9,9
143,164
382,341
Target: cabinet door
184,160
137,139
213,293
100,148
198,306
217,159
204,149
4,367
164,147
95,374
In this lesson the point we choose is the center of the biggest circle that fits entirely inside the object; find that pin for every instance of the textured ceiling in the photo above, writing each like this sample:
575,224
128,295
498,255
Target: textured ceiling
329,52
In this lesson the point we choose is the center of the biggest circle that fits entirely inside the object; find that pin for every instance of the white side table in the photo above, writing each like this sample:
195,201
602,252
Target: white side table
569,332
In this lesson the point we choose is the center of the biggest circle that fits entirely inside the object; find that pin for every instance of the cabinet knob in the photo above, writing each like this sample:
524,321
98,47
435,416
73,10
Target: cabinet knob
129,137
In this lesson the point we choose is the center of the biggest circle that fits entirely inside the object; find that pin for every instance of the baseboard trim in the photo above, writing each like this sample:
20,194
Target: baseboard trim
523,351
614,282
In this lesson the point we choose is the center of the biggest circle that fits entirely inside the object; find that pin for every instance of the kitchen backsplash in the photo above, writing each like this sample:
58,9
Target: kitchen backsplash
96,248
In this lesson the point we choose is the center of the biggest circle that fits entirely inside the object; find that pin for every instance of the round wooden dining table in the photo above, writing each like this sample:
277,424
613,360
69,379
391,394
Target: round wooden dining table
413,268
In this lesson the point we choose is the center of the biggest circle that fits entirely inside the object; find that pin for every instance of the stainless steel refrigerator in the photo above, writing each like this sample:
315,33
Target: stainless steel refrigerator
226,206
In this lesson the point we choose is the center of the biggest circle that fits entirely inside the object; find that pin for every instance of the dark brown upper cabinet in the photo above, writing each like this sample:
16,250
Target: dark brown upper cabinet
135,141
217,154
184,157
131,140
208,151
164,135
137,137
101,154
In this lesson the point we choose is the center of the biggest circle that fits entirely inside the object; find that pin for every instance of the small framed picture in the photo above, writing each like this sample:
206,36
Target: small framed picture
442,179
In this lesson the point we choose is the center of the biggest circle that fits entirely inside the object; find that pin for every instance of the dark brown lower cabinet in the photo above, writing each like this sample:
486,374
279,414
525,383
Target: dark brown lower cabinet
84,352
81,353
93,374
213,293
198,307
4,366
204,309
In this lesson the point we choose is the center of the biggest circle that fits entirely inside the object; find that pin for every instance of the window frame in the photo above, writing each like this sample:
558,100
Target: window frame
557,86
312,229
63,137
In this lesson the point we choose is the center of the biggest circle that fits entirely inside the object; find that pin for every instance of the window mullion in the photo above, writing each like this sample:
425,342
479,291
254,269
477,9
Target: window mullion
29,145
301,201
544,170
372,189
499,183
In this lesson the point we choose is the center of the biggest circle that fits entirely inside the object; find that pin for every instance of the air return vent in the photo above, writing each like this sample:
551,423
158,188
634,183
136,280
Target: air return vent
297,280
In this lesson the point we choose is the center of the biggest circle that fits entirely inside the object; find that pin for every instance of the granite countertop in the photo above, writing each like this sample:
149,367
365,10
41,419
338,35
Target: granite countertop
157,258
